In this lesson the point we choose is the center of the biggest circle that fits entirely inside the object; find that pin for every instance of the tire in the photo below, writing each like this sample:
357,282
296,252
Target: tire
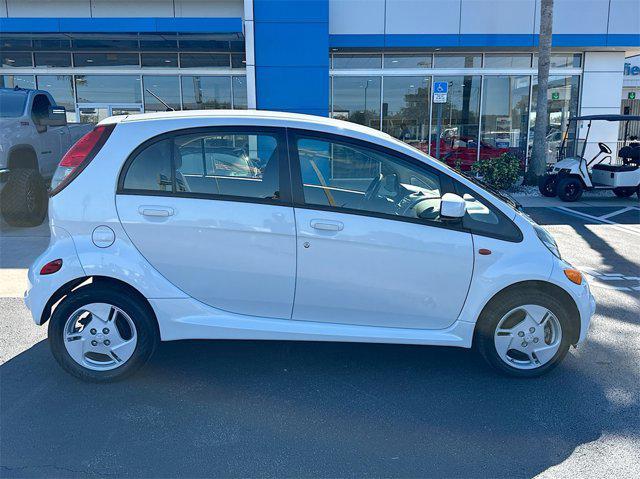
125,309
548,185
569,189
24,198
503,306
624,192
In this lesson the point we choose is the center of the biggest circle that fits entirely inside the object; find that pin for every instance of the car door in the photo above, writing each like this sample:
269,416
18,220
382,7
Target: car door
223,234
372,249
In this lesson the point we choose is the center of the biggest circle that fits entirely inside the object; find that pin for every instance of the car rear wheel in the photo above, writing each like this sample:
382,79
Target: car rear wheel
569,189
547,185
525,334
624,192
102,334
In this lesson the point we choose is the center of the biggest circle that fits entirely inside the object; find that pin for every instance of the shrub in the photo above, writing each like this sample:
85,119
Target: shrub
501,172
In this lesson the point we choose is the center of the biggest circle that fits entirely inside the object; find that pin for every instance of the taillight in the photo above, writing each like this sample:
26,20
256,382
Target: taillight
79,156
51,267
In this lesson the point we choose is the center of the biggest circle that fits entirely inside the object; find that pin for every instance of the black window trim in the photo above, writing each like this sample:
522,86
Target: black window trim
284,178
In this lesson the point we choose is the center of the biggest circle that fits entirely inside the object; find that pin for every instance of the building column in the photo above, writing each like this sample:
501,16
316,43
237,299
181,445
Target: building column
601,86
291,41
249,42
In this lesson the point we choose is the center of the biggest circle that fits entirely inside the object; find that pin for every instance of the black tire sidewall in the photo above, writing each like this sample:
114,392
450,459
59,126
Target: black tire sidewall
140,314
544,186
14,198
495,311
624,192
561,189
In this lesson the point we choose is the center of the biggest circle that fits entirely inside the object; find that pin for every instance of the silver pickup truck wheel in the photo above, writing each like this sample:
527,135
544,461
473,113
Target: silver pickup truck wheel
24,198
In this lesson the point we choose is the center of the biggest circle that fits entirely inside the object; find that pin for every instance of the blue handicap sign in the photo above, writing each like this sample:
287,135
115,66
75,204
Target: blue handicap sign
440,87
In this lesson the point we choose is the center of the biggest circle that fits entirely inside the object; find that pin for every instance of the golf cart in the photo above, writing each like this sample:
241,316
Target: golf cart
569,177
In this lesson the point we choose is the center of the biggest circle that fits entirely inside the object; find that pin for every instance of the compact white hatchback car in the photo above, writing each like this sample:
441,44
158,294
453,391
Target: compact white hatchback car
264,225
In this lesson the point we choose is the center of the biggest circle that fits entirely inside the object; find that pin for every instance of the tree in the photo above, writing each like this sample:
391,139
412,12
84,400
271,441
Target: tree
538,162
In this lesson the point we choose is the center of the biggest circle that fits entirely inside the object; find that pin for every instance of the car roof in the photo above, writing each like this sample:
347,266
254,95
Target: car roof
294,120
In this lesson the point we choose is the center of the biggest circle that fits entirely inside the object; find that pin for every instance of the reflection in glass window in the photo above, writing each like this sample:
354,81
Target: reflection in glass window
159,60
456,142
206,92
239,93
405,109
151,168
562,60
51,43
357,99
507,60
105,42
111,60
14,43
457,61
505,116
244,165
407,60
16,59
562,103
166,42
354,177
61,89
203,60
238,60
167,88
52,59
108,89
22,81
344,61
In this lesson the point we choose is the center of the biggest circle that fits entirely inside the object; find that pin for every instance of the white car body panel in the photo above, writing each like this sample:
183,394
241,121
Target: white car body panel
382,272
90,201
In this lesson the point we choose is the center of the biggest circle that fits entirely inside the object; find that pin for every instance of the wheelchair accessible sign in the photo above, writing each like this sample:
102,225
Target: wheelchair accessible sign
440,90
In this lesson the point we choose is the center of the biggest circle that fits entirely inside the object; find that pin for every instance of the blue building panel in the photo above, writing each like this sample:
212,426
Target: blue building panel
291,44
291,10
299,89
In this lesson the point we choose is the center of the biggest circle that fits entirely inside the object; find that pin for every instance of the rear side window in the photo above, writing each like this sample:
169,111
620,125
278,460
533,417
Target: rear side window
208,164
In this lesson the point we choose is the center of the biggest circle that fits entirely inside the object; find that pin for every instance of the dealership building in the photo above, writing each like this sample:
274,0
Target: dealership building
373,62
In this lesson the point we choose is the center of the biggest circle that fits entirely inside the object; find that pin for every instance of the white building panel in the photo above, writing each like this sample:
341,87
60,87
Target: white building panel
624,16
497,16
423,17
356,16
127,8
48,8
208,8
3,8
577,16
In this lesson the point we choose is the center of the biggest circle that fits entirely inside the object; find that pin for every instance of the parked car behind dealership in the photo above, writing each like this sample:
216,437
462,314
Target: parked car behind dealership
34,135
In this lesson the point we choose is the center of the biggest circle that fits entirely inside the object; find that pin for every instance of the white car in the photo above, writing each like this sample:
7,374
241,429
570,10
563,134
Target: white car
264,225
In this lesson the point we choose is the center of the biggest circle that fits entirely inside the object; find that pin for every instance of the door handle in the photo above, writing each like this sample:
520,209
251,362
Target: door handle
156,211
327,225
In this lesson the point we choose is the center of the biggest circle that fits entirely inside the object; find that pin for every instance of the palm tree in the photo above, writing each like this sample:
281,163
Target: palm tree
538,162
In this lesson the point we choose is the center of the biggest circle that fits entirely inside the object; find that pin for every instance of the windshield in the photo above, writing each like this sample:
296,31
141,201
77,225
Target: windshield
494,191
12,103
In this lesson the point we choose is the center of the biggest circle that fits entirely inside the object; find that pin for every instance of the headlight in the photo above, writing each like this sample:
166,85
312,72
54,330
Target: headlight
547,240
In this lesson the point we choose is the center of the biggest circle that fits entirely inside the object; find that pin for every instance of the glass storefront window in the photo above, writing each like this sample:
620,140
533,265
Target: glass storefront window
52,59
405,109
22,81
357,99
562,103
16,59
507,60
457,61
240,93
108,89
203,93
505,116
456,141
52,43
167,88
105,42
61,89
345,61
14,43
111,60
562,60
238,60
204,60
165,42
407,60
159,60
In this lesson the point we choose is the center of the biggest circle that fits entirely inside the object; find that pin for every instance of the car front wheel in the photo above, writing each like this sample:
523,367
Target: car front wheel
102,334
524,334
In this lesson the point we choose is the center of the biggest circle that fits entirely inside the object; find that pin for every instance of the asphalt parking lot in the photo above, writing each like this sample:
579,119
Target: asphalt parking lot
288,409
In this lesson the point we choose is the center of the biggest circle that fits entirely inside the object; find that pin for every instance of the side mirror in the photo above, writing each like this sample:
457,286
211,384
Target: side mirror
452,207
56,116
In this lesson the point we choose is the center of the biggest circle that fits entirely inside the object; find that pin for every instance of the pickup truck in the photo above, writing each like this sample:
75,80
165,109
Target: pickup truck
34,135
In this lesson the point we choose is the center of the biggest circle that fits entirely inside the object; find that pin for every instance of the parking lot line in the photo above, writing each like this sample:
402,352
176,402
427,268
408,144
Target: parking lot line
599,219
